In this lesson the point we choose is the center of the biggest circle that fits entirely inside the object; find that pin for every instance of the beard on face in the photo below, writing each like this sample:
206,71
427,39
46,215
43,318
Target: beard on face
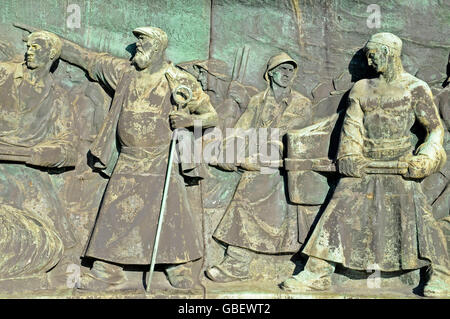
142,59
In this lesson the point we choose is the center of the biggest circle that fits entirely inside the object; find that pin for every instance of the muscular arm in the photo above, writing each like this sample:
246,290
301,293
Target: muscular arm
430,155
101,67
350,153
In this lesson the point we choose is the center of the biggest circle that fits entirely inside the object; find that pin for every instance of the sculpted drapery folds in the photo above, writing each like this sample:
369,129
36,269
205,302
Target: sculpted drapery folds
259,217
36,135
376,213
139,125
382,218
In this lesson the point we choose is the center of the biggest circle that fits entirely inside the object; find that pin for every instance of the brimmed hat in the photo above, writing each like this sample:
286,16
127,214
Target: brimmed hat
276,60
218,68
152,32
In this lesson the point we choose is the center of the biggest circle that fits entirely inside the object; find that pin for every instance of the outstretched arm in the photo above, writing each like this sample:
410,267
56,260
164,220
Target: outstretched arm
101,67
71,52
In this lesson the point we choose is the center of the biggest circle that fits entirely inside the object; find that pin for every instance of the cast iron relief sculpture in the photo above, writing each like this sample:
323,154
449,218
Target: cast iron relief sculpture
37,135
230,97
83,187
141,116
260,218
378,214
436,186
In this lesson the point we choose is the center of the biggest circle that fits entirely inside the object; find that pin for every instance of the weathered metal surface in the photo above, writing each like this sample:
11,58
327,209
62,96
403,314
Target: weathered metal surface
382,219
84,144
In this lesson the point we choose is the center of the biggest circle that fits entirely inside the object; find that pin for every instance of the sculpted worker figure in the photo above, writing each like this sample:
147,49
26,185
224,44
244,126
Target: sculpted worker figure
229,99
260,218
381,219
36,134
141,117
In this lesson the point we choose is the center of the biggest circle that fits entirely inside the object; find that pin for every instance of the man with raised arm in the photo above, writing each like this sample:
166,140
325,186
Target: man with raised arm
139,125
379,219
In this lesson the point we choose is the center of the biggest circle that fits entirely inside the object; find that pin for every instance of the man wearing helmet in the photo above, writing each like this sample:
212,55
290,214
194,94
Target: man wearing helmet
259,218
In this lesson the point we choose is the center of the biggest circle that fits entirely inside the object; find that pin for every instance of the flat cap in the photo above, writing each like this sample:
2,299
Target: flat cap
152,32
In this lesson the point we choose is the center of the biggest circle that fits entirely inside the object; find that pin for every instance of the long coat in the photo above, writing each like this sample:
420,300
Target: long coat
382,221
139,122
260,217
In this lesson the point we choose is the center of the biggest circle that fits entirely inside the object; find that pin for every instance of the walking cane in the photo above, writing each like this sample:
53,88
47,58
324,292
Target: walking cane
180,102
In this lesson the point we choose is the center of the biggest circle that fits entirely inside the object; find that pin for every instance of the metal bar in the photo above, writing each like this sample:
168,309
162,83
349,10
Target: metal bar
161,214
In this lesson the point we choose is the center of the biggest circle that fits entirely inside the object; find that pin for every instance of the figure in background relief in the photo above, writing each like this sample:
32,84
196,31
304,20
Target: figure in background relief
230,99
435,186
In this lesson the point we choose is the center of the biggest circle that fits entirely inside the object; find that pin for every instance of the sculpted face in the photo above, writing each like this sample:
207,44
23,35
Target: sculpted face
377,57
146,49
38,53
283,74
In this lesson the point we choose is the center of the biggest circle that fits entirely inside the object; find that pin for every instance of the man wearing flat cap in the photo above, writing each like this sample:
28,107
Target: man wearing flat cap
229,97
260,219
139,127
381,219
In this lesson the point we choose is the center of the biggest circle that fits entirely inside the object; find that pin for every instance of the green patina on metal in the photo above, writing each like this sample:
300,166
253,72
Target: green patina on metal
323,37
109,28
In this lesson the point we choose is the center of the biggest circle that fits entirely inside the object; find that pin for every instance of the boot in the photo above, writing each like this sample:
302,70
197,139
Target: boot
104,276
315,276
234,267
182,276
438,284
